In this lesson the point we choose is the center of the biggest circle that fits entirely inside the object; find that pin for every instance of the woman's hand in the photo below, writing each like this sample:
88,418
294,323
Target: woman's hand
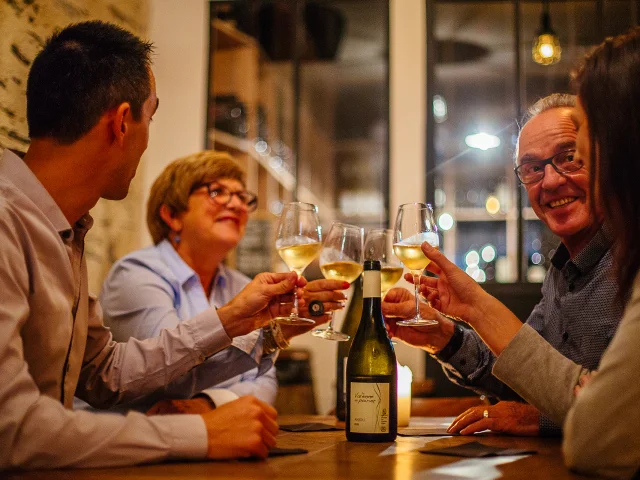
453,291
457,294
399,303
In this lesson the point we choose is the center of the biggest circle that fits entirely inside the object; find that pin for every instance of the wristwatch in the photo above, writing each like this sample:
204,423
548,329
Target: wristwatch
273,339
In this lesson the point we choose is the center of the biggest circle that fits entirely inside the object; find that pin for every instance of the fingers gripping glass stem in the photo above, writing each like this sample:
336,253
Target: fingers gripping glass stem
415,224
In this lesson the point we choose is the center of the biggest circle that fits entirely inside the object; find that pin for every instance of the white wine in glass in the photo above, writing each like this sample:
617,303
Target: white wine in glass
415,224
379,246
340,259
298,243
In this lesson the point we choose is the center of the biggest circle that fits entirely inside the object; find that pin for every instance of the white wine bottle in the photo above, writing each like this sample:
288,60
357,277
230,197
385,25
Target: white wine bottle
372,372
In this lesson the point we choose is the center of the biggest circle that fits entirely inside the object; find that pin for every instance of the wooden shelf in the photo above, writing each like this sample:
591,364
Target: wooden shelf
228,36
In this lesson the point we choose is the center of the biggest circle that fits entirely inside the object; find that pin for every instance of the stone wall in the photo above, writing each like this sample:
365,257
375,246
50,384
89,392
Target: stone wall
24,26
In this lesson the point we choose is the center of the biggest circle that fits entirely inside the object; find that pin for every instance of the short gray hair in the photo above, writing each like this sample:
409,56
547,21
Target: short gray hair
555,100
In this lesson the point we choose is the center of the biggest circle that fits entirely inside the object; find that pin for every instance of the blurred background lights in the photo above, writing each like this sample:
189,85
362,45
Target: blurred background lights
440,197
439,108
472,258
536,273
488,253
479,276
445,221
492,205
261,146
536,244
482,141
275,207
537,258
471,270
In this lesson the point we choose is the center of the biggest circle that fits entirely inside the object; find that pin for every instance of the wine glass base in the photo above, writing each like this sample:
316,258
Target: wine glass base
293,320
416,322
330,335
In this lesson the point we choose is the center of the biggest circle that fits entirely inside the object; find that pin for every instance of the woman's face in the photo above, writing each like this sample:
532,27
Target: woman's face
207,224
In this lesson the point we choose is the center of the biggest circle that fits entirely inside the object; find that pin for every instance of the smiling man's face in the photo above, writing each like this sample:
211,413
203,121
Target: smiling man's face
560,200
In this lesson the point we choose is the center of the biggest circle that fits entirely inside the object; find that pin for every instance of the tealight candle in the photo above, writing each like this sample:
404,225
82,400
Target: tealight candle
404,395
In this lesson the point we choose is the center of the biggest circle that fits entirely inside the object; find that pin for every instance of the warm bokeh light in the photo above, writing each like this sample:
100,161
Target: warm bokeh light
492,205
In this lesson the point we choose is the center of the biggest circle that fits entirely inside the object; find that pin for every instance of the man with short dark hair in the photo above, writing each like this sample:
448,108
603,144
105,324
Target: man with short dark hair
90,98
578,313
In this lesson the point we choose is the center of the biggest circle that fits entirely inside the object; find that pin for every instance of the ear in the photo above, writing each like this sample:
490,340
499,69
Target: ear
120,122
171,219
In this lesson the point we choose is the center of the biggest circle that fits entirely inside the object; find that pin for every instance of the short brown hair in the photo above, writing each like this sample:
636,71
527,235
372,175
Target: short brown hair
173,187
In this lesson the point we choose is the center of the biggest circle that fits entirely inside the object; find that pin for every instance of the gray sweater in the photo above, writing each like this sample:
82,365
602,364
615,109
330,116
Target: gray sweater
602,424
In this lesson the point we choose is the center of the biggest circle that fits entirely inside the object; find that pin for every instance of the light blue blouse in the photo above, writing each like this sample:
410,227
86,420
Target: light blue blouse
152,289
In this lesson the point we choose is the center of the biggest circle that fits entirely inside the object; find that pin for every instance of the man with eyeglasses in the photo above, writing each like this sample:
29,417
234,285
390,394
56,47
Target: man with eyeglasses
197,214
577,315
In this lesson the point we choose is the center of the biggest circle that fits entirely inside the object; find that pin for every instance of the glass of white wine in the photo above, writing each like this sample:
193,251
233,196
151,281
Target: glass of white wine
414,225
340,259
298,243
378,245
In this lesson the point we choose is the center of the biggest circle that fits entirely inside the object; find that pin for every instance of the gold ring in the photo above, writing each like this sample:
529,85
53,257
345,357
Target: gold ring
485,414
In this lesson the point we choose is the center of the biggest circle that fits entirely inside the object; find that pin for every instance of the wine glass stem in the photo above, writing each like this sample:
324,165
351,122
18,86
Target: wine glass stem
294,312
330,327
416,283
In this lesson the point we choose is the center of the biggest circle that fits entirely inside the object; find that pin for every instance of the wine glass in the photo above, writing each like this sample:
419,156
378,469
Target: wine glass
340,259
298,243
414,225
379,246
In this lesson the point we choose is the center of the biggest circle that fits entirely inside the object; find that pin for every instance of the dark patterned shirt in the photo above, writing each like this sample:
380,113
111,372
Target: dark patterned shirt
578,315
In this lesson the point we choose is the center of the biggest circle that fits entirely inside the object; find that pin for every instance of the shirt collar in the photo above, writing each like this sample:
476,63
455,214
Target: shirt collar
17,172
184,272
590,255
178,266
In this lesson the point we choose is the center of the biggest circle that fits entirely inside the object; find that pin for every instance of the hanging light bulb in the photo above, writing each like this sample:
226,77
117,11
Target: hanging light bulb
546,48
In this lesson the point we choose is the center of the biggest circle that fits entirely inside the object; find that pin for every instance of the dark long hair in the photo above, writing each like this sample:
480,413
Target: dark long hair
609,90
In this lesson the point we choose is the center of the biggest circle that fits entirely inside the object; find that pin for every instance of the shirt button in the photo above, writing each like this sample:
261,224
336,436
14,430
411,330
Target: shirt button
565,336
463,362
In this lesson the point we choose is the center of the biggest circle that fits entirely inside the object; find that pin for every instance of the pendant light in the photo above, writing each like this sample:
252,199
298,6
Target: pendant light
546,48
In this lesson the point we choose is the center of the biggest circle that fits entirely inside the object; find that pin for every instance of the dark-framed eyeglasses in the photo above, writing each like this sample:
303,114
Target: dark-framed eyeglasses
562,162
222,195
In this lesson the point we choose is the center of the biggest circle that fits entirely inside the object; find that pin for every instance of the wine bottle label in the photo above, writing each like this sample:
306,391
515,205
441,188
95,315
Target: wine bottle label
369,407
371,284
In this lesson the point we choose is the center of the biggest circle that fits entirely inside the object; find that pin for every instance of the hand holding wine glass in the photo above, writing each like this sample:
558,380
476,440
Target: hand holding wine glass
340,259
379,246
415,224
298,243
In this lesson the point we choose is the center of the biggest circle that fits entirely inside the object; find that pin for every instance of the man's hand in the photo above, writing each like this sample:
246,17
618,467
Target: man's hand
197,405
245,427
399,303
514,418
256,303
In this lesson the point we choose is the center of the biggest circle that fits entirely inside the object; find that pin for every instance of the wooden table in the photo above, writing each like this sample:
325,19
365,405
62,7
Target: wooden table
332,456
